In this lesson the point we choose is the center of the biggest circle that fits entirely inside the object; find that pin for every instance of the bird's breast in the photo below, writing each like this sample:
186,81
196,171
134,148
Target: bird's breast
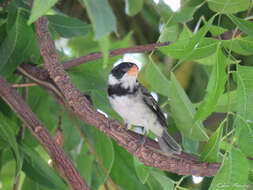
130,109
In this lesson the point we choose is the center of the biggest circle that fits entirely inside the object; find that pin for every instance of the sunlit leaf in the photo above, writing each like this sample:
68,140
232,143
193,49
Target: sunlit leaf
102,17
132,7
169,33
39,8
195,47
228,6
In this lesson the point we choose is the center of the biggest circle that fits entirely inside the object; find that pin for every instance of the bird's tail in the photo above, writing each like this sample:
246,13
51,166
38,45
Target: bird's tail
168,144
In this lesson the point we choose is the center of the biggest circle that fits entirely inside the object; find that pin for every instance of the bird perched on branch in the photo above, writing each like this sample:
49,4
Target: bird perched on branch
137,106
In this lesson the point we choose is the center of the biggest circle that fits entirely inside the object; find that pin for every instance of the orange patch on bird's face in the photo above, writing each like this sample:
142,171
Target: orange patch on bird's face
133,71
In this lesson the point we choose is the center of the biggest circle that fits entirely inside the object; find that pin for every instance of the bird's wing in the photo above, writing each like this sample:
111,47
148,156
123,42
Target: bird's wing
153,105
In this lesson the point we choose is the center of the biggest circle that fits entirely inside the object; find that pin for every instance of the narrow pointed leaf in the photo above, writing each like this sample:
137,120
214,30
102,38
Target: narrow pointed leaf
244,124
102,17
39,8
183,112
210,153
244,25
215,87
233,173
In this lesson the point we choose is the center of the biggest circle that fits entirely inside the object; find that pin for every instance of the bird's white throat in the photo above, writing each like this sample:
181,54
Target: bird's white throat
126,81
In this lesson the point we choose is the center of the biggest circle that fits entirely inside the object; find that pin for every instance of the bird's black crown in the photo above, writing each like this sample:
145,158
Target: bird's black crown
121,69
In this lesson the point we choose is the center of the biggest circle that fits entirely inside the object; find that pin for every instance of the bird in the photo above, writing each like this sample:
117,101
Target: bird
136,106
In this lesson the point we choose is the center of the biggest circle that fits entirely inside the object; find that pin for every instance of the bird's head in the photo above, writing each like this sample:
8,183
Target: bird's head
125,74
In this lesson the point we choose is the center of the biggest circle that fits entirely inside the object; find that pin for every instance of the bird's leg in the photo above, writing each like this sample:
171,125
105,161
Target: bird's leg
124,126
143,140
127,126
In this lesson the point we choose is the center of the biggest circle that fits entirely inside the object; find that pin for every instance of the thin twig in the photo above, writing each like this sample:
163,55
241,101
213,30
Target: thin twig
24,85
113,53
135,49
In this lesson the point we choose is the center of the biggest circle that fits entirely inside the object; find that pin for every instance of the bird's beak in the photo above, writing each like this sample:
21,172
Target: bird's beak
133,71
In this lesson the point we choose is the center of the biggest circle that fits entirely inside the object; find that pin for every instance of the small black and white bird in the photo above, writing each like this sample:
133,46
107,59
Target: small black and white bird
137,106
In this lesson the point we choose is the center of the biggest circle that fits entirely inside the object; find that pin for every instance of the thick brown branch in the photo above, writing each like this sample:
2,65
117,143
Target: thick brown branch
180,164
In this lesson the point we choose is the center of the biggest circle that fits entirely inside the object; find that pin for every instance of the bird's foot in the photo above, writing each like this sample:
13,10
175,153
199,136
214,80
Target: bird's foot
123,126
142,141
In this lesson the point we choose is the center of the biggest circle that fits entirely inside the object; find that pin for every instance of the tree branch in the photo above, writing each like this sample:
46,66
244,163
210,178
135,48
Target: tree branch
113,53
39,131
135,49
180,164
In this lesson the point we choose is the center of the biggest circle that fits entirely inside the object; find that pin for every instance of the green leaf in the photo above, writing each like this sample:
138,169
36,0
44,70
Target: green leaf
68,27
123,171
185,34
157,80
89,77
104,44
165,182
227,102
178,50
240,45
101,143
233,173
217,30
244,109
244,92
133,6
7,173
181,107
19,45
142,170
164,11
244,134
102,17
38,170
40,7
195,47
244,25
100,101
169,33
184,15
85,163
211,151
183,112
215,87
189,145
228,6
105,150
8,134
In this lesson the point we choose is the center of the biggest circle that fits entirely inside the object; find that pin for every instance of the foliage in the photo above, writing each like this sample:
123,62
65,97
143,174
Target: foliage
204,85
